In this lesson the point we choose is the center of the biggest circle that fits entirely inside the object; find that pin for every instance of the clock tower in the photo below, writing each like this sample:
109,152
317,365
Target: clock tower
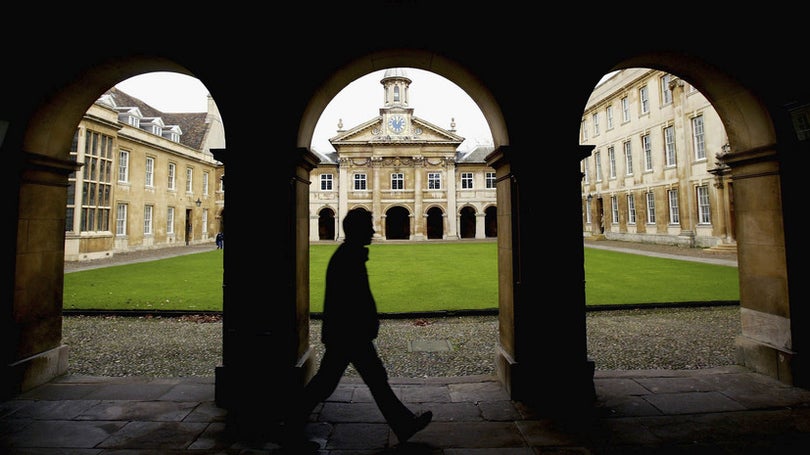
396,114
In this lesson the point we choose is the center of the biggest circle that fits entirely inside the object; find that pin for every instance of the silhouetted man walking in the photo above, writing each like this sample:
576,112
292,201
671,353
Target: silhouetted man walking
350,325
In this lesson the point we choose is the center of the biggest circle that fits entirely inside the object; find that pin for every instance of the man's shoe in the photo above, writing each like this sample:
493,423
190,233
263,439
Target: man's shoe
418,423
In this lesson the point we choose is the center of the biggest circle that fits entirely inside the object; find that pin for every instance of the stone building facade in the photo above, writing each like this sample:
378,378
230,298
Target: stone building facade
408,172
144,179
655,174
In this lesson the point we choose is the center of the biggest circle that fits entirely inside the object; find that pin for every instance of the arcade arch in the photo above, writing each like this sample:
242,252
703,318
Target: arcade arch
435,223
397,223
326,224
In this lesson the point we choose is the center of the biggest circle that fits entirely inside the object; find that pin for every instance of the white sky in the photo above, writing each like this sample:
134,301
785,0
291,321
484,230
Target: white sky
433,98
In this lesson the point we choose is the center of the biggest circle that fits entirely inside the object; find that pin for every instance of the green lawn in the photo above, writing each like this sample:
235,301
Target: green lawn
404,278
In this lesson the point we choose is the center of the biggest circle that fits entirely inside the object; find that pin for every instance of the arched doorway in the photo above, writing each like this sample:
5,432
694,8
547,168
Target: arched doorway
467,223
326,224
491,221
397,224
435,223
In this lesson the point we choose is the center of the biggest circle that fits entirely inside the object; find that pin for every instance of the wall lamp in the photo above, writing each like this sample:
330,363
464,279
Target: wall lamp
198,202
590,197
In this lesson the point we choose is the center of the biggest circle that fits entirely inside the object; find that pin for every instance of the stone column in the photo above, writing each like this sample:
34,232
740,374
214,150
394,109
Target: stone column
266,356
480,225
542,351
344,183
766,343
32,325
376,205
452,208
420,228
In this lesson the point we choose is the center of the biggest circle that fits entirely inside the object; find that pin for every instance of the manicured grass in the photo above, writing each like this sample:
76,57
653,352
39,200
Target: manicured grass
420,277
622,278
404,278
191,283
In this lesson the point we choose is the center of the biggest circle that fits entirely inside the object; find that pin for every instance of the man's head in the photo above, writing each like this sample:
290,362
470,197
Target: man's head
357,226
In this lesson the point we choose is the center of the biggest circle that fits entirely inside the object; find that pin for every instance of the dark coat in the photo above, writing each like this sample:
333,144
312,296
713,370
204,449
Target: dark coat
349,310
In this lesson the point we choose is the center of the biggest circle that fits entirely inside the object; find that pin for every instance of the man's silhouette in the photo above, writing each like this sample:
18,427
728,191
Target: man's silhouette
350,325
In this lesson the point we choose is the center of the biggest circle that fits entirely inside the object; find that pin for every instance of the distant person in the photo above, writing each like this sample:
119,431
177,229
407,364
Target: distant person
348,329
220,240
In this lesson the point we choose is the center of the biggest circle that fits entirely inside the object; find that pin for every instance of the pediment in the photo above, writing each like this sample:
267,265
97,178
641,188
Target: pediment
419,131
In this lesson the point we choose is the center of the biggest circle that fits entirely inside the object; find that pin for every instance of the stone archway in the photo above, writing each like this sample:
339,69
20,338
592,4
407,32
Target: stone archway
767,315
467,223
326,224
397,224
435,223
491,221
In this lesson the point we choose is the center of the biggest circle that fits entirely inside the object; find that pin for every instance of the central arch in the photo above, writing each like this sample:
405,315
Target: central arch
481,95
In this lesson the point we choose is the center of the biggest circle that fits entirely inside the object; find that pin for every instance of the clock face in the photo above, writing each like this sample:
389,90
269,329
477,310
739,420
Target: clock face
396,123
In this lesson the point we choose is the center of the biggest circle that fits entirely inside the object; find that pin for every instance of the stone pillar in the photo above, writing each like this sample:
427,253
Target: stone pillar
33,352
542,351
766,344
419,218
314,228
266,357
480,225
452,209
376,203
344,183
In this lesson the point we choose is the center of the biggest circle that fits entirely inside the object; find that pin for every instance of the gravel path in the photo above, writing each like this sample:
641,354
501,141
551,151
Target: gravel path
684,338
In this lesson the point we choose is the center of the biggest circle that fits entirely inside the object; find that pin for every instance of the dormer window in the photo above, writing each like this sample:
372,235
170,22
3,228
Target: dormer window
153,125
172,132
130,115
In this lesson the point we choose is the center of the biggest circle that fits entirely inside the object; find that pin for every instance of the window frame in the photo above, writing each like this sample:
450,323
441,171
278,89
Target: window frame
326,181
148,219
628,157
172,177
434,181
611,162
360,181
189,180
123,166
670,155
121,214
397,181
674,210
149,172
666,92
646,147
644,100
625,102
467,179
703,205
170,220
699,137
489,180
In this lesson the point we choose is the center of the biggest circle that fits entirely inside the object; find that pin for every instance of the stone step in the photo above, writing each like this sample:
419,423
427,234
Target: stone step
723,248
